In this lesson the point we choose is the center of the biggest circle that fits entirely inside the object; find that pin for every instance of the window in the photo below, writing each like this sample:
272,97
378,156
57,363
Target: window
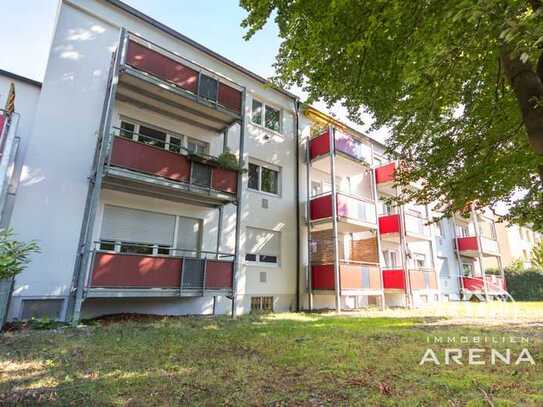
316,188
127,130
420,260
262,246
197,146
462,231
208,88
135,231
467,269
42,308
391,258
263,178
259,304
152,137
267,116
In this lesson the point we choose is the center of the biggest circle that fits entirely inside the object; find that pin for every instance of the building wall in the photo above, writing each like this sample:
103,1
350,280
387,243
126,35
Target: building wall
59,159
516,243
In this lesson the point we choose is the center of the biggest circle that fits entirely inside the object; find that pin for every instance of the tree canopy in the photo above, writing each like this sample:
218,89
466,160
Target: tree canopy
459,83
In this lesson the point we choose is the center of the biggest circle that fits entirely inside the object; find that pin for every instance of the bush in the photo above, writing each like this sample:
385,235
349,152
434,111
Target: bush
229,161
526,285
14,255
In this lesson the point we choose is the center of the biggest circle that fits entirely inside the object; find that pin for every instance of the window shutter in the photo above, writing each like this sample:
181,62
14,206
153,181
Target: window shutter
132,225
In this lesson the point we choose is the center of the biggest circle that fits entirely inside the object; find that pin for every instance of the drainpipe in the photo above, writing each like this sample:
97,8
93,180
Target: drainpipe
309,273
297,181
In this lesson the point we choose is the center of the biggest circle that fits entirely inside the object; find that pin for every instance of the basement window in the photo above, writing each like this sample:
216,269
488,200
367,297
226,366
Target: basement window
261,304
42,308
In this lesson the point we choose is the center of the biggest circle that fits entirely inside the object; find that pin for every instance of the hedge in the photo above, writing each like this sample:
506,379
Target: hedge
525,285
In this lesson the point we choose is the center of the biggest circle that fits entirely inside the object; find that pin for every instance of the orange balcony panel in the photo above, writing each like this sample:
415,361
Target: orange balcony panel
115,270
467,244
385,173
319,145
140,157
394,279
219,274
322,277
389,224
359,277
225,180
162,67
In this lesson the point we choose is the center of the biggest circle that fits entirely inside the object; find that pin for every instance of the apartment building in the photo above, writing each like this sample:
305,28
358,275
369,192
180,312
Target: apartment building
517,243
160,177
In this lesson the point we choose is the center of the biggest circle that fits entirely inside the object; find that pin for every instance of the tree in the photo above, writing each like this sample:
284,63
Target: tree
14,255
537,256
458,82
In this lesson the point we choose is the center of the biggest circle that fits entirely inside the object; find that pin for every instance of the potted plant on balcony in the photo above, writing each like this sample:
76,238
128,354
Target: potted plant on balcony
228,161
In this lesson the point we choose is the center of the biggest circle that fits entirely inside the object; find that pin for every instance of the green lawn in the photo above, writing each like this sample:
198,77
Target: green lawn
371,358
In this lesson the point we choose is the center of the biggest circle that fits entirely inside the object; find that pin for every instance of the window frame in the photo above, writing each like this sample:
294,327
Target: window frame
270,167
264,107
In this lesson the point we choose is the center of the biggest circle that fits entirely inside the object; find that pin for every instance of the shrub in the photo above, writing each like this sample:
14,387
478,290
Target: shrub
14,255
229,161
526,285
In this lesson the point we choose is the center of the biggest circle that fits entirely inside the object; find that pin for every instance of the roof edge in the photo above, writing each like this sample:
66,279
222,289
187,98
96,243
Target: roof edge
20,78
176,34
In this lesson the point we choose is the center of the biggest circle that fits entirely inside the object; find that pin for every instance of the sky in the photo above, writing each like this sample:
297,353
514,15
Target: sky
213,23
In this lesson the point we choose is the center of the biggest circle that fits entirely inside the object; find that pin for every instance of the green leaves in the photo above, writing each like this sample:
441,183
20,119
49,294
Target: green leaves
432,72
14,255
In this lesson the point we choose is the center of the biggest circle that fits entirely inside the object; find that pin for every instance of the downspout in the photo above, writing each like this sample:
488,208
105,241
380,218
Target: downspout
297,181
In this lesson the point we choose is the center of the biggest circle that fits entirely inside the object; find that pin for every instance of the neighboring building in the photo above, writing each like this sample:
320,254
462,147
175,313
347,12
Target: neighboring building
516,243
129,184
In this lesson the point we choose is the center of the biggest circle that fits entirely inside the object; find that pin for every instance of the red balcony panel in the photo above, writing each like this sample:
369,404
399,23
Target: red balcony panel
230,98
225,180
467,244
322,277
140,157
2,121
321,207
219,274
394,279
319,145
389,224
473,283
126,270
385,173
156,64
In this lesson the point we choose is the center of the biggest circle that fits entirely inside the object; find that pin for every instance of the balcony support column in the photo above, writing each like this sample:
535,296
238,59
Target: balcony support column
309,274
377,233
239,206
93,197
337,276
479,251
403,249
459,261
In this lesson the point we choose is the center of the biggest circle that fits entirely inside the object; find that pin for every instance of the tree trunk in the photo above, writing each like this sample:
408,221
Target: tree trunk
528,88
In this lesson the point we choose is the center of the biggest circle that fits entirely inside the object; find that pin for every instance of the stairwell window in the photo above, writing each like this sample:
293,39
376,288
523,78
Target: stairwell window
266,116
264,178
263,246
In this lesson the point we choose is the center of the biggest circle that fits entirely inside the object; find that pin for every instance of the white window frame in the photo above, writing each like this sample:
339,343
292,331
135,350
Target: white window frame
259,263
271,167
263,116
184,140
389,255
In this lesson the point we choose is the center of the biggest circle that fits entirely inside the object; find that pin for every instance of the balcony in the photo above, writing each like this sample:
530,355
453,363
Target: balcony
344,145
495,284
115,274
353,213
162,81
150,167
415,227
354,278
469,246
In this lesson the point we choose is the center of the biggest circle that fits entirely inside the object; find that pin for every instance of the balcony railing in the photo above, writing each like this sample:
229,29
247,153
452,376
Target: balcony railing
354,276
344,144
185,76
183,270
495,284
147,155
348,207
419,279
469,246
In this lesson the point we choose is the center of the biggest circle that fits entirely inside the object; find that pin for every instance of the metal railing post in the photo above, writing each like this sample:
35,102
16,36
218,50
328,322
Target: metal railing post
337,275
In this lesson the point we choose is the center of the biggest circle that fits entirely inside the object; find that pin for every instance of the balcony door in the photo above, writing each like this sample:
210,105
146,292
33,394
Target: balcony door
189,236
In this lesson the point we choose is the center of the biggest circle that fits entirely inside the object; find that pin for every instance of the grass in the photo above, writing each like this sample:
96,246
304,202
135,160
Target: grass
370,358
